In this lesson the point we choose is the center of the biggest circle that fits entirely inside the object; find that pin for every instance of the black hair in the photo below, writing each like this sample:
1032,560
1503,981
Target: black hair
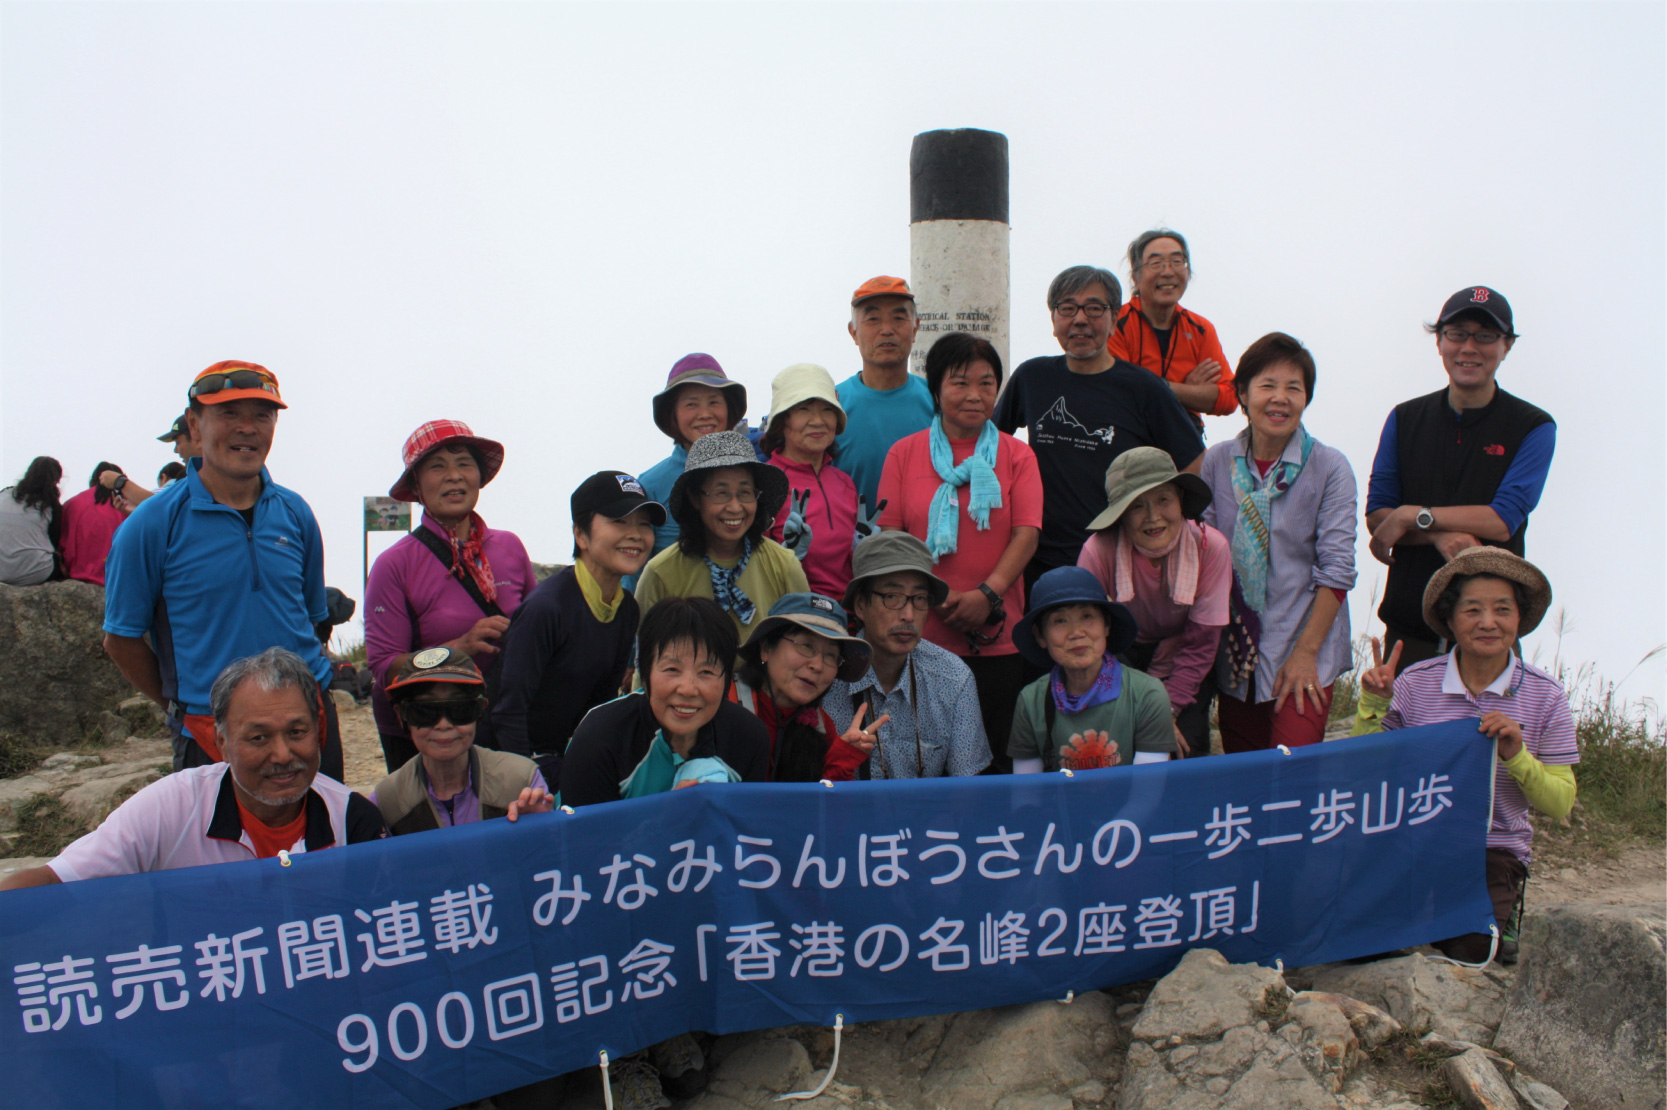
173,472
103,495
691,620
1268,351
1448,602
953,351
692,540
38,488
1475,316
801,749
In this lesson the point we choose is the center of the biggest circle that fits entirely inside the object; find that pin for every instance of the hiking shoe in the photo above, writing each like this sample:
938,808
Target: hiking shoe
1507,956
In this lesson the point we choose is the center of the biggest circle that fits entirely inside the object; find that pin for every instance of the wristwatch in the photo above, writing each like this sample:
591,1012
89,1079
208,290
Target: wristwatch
1425,519
121,480
995,598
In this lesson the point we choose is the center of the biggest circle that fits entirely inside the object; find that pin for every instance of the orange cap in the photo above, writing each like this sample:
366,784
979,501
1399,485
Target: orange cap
233,380
881,286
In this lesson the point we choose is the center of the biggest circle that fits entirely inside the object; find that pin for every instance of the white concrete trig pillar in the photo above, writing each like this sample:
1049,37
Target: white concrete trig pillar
958,237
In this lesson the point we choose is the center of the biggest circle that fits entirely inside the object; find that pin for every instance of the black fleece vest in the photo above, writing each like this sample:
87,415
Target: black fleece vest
1449,458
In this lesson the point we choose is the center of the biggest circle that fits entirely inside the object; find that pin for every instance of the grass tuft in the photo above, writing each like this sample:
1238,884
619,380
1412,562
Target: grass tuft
45,827
18,756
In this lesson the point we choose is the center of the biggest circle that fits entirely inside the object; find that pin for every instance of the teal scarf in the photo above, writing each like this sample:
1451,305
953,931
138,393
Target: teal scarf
1252,544
943,519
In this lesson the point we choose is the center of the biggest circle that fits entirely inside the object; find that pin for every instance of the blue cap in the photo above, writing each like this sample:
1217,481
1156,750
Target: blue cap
813,613
1071,586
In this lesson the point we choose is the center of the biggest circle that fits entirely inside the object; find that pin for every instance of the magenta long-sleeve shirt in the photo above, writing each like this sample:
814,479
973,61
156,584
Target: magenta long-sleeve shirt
412,601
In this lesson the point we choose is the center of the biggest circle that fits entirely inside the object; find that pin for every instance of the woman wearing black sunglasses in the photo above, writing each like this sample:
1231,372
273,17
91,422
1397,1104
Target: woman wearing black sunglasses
439,694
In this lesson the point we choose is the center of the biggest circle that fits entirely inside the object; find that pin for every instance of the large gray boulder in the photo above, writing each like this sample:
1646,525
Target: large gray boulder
1458,1002
1586,1013
60,680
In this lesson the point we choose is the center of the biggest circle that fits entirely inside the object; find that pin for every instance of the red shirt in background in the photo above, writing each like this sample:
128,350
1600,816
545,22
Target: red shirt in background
85,533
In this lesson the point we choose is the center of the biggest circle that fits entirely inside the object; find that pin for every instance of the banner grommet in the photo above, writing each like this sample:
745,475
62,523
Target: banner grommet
283,857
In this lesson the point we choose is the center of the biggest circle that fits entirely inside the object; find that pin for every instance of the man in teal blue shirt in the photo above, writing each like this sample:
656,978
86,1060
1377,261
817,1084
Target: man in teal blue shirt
883,402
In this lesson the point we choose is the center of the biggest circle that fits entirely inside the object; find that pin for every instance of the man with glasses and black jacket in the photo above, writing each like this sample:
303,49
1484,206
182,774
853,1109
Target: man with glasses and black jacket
1457,468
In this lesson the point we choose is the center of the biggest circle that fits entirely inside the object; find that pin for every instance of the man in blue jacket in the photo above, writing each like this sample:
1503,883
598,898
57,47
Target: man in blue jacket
220,566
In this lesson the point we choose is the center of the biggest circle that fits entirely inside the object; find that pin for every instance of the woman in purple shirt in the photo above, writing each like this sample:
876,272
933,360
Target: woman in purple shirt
453,582
1286,504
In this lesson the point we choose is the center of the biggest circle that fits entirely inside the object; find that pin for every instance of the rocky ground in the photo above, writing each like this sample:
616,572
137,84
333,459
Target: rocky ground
1579,1024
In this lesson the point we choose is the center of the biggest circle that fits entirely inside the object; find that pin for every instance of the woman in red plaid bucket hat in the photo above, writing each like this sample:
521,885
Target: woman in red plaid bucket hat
453,582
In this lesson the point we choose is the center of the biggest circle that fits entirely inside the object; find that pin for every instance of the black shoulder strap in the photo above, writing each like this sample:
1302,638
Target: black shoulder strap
442,552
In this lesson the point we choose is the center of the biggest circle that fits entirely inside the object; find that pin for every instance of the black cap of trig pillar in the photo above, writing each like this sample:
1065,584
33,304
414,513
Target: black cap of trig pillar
959,174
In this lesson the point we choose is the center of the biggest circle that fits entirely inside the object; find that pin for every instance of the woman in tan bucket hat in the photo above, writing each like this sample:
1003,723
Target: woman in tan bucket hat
1482,603
1173,573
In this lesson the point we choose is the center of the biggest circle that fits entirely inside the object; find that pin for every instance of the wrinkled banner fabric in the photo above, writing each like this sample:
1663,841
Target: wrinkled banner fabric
435,969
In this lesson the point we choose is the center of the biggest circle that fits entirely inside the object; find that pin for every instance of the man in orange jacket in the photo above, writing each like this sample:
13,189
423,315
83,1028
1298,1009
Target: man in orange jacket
1154,331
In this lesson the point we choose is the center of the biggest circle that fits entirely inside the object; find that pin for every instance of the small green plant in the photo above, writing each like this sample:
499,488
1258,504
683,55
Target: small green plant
45,827
1276,1000
343,652
17,755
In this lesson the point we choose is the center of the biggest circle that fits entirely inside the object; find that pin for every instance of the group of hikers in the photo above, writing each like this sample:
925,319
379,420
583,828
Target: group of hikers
880,581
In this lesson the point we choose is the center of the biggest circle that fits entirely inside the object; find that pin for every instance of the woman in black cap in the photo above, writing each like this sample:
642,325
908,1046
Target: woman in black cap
569,646
723,503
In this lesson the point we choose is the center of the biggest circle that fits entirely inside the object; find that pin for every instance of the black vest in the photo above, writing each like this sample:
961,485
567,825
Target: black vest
1449,458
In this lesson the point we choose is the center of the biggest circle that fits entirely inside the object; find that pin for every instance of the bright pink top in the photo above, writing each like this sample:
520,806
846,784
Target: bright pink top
1186,636
831,513
84,535
907,485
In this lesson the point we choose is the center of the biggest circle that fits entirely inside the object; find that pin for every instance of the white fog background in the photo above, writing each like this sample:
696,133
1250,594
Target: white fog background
521,215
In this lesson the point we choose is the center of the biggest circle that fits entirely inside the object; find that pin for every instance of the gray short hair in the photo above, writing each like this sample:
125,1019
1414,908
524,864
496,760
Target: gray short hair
273,669
1137,249
1075,279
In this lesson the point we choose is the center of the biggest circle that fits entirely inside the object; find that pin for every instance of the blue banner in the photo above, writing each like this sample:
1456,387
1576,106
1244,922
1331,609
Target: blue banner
438,968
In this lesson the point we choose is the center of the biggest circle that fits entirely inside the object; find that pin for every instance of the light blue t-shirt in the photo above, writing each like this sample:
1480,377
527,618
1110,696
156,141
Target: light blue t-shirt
874,420
657,481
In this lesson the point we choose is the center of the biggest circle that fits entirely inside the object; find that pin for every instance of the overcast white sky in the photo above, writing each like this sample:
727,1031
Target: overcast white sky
521,215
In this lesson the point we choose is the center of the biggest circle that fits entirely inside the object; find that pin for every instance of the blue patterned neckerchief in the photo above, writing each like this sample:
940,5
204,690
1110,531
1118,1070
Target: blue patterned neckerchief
726,589
1252,531
1107,685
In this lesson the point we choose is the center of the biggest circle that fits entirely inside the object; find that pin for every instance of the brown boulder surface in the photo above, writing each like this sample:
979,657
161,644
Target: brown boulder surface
61,681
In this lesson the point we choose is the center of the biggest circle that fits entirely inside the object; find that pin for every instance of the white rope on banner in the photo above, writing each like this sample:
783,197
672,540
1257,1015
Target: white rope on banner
839,1023
1283,748
1070,997
826,783
1279,966
1493,950
283,857
1067,772
607,1091
567,810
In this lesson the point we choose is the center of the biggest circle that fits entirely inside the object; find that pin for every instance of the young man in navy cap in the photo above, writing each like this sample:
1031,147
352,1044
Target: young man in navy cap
1459,467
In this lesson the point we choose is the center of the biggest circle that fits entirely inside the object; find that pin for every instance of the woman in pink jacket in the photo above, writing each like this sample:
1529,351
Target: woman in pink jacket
820,524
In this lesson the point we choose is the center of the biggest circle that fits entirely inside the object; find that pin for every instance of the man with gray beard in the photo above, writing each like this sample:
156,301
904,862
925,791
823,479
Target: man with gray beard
266,797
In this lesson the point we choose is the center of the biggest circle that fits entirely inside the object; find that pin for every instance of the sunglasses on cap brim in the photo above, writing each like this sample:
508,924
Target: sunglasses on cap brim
233,379
427,714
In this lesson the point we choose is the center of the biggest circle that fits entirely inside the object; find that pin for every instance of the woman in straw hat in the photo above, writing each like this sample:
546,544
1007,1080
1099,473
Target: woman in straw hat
723,503
453,582
787,665
1287,503
1174,574
1482,603
821,522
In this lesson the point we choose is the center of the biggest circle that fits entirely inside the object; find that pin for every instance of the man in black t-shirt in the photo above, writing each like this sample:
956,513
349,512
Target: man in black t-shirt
1083,409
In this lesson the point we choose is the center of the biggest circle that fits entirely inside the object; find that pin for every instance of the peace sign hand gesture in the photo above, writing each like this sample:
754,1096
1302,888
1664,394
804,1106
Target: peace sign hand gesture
1379,678
863,739
795,533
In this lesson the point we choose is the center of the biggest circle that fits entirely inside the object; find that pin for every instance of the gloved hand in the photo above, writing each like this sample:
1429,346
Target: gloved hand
867,523
795,533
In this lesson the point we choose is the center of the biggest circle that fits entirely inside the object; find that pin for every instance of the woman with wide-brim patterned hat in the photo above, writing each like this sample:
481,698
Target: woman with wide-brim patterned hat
453,582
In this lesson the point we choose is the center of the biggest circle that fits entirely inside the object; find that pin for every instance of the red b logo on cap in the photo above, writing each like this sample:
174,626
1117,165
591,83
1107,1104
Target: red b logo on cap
1478,295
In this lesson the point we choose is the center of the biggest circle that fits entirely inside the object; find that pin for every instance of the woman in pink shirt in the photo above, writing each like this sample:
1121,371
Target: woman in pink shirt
974,496
453,582
820,524
1174,574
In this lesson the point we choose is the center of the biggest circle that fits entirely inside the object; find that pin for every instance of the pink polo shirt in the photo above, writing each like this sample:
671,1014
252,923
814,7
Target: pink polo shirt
907,486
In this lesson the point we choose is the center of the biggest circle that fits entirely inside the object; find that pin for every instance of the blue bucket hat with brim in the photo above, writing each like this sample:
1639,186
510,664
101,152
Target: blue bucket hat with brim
1071,586
813,613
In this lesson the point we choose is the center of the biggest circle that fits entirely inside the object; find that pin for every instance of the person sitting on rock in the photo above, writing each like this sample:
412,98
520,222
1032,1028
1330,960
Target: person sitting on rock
29,518
266,796
1089,710
1483,602
438,694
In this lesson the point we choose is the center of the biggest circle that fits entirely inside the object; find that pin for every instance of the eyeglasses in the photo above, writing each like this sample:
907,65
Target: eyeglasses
1067,310
1480,338
427,714
724,496
234,379
807,651
1175,262
922,602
